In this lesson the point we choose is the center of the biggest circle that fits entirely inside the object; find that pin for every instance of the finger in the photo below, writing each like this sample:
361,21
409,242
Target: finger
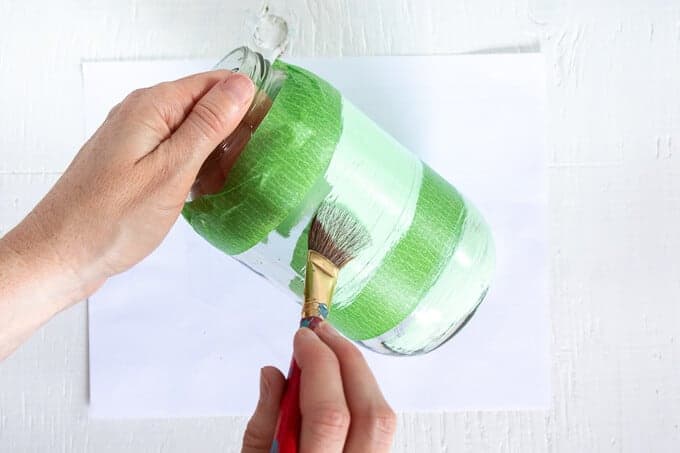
210,121
148,116
176,99
373,422
325,416
260,430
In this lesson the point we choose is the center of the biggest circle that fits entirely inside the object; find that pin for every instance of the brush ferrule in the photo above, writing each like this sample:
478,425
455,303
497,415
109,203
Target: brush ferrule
321,276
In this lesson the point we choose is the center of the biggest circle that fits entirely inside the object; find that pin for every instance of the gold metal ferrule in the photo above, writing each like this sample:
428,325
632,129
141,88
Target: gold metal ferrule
320,279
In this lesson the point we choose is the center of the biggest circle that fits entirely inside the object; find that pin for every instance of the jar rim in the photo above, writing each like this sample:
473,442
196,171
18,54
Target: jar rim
253,64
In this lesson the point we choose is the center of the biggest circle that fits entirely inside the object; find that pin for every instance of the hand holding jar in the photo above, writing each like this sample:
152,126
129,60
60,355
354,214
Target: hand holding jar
114,205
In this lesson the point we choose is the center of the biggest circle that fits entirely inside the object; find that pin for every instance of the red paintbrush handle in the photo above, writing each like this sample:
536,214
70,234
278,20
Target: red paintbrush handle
288,425
287,434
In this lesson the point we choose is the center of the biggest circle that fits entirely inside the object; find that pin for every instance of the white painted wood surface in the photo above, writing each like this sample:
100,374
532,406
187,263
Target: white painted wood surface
614,134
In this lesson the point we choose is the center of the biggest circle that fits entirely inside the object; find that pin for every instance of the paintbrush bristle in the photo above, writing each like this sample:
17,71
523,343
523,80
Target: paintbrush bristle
336,234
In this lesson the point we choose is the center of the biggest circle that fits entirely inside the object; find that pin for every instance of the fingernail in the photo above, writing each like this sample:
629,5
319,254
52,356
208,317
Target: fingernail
306,334
327,329
239,87
264,386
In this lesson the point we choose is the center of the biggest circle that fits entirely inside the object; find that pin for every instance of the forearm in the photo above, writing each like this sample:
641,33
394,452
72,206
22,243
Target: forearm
34,285
117,200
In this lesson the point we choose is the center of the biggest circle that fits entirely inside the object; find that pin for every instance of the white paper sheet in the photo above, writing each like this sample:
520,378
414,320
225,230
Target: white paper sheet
173,337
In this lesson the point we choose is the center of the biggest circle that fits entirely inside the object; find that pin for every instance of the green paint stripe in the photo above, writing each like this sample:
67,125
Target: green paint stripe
379,181
285,157
306,208
411,267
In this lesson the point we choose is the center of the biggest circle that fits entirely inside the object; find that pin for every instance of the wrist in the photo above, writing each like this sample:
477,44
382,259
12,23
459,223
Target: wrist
32,264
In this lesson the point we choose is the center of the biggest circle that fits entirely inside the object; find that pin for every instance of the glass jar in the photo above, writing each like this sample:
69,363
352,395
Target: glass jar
431,256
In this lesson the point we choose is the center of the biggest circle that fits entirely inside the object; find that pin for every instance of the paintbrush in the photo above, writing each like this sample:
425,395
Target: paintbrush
335,237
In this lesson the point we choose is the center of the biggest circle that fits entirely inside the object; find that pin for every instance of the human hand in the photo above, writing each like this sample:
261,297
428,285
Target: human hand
118,198
127,185
342,407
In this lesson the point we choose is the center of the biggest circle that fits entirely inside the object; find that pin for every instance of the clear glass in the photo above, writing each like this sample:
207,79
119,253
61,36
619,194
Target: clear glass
268,81
431,257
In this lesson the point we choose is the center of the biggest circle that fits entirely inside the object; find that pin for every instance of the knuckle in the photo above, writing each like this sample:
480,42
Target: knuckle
380,424
113,111
165,96
135,96
330,422
385,422
131,103
209,119
255,436
164,89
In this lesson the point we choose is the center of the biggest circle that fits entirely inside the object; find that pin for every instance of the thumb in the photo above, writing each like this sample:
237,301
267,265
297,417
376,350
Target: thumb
260,430
211,120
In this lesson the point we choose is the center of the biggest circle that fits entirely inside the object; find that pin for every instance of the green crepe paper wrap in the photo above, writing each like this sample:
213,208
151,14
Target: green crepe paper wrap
314,145
411,267
408,271
286,155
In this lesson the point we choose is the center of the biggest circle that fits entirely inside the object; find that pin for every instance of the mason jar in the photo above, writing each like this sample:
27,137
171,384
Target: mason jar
431,256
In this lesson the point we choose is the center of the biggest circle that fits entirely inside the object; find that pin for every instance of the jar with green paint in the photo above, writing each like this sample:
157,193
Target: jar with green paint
431,256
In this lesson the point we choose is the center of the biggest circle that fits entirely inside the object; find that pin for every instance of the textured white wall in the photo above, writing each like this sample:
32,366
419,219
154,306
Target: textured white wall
614,114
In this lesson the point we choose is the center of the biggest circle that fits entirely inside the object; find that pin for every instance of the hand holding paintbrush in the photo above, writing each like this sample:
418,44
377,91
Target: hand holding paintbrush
329,382
341,406
334,239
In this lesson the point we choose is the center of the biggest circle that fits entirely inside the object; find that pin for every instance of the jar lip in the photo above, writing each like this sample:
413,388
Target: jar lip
253,64
243,60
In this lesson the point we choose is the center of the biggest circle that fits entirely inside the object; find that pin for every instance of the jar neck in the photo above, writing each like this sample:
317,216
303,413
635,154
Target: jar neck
268,80
253,64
